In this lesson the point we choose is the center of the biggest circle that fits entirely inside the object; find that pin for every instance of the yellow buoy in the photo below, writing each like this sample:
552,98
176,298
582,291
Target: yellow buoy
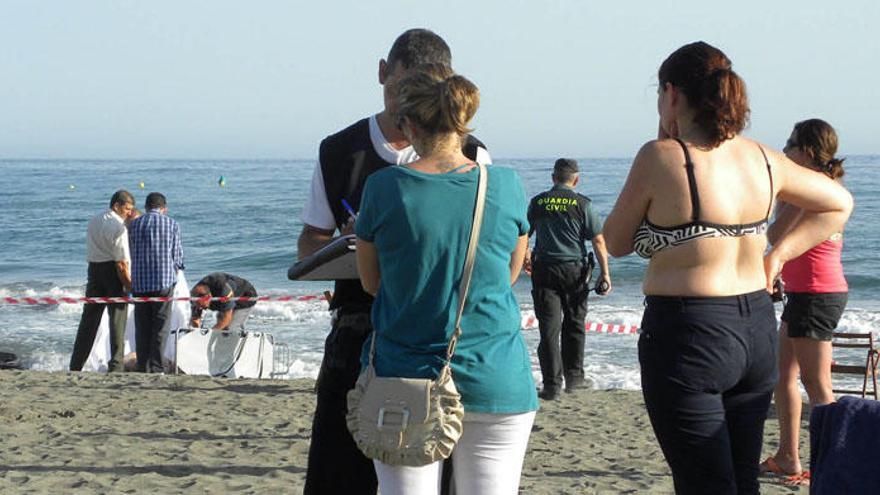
141,184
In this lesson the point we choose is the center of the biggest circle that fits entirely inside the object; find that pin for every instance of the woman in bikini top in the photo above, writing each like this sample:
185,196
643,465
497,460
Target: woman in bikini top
702,225
708,333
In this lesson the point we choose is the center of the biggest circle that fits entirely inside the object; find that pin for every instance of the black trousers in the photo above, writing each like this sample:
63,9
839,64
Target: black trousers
559,293
103,281
151,330
708,370
335,464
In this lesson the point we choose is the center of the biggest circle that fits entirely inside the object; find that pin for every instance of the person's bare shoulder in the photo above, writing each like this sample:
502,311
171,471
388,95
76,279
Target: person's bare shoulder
656,158
749,149
773,156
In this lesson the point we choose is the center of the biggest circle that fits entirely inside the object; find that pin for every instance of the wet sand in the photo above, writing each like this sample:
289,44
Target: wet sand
131,433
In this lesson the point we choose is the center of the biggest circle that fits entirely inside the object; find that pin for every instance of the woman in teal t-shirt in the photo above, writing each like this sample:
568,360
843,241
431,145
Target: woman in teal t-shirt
413,230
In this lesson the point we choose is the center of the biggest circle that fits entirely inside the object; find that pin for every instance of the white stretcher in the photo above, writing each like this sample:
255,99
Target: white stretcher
236,354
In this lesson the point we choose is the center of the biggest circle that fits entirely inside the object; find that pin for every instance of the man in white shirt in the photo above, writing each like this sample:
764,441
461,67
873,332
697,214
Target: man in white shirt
346,159
109,275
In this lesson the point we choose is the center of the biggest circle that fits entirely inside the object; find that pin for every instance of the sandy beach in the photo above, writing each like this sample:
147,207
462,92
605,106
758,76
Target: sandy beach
131,433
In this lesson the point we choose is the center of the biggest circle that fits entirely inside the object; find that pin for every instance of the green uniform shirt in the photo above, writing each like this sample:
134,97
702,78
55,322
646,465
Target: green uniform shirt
562,221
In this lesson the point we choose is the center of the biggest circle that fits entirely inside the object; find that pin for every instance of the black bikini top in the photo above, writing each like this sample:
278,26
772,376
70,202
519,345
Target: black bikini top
650,238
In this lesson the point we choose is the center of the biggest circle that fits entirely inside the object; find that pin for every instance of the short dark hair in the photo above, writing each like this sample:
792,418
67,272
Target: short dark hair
154,200
565,170
419,46
121,196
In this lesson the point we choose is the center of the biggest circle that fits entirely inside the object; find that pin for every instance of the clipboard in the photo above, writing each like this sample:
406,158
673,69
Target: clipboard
335,261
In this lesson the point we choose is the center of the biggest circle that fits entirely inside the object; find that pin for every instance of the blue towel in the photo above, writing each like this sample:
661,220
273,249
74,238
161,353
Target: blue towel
845,447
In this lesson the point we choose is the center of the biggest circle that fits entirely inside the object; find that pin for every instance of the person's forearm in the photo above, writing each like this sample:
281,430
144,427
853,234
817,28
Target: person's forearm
368,266
810,230
223,320
312,239
124,274
601,254
603,262
517,257
178,253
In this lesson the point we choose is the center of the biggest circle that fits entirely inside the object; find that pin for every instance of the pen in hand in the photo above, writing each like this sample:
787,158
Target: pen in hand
349,209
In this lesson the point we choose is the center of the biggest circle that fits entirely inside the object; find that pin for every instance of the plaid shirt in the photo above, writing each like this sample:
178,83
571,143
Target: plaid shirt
156,254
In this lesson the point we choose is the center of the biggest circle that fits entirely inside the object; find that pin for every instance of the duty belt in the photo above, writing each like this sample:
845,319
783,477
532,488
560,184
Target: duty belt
589,265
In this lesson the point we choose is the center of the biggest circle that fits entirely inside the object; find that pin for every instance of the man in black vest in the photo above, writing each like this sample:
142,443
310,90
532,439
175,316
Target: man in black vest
563,221
346,159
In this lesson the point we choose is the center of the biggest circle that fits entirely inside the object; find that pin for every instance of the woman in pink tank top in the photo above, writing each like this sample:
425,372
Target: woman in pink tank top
816,294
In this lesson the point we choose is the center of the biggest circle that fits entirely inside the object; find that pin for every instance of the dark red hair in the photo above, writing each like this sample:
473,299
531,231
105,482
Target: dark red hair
705,76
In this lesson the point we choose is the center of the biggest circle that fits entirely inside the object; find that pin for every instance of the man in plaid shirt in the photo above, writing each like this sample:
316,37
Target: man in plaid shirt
156,256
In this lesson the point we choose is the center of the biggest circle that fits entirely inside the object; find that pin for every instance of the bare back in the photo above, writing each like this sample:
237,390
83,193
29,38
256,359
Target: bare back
734,188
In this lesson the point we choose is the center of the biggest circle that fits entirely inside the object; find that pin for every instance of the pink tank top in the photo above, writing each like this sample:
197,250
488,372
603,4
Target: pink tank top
818,270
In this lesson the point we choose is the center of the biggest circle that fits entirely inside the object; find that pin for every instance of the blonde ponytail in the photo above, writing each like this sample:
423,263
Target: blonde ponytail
436,100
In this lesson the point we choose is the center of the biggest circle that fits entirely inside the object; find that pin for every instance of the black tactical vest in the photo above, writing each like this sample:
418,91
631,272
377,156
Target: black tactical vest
558,219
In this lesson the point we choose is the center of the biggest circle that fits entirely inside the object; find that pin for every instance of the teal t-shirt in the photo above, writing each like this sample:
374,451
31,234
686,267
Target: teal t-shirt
420,224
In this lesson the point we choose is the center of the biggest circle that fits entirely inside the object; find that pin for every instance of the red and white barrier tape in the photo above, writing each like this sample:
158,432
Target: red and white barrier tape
116,300
530,322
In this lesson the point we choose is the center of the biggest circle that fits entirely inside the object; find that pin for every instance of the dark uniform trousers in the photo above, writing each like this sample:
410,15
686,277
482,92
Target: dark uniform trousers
335,463
103,281
559,293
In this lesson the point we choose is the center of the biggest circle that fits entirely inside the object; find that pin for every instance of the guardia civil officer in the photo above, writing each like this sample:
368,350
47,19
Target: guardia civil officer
560,265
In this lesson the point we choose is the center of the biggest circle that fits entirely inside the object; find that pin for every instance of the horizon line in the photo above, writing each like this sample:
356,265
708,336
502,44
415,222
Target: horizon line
311,159
264,159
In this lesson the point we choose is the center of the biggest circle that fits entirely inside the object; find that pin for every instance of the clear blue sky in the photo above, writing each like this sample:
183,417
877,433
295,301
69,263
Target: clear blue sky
222,79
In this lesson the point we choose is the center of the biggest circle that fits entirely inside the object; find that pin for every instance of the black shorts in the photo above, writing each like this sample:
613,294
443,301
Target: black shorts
813,315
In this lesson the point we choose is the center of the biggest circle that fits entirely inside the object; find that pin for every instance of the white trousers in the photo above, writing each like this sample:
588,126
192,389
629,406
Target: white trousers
486,461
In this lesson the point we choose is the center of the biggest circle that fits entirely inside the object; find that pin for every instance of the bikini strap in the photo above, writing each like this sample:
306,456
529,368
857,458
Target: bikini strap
692,182
770,174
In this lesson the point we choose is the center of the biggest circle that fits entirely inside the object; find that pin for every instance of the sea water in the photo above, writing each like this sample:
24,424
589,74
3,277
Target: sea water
249,225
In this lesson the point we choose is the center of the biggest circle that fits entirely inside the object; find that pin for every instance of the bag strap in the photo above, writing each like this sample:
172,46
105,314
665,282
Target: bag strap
471,255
